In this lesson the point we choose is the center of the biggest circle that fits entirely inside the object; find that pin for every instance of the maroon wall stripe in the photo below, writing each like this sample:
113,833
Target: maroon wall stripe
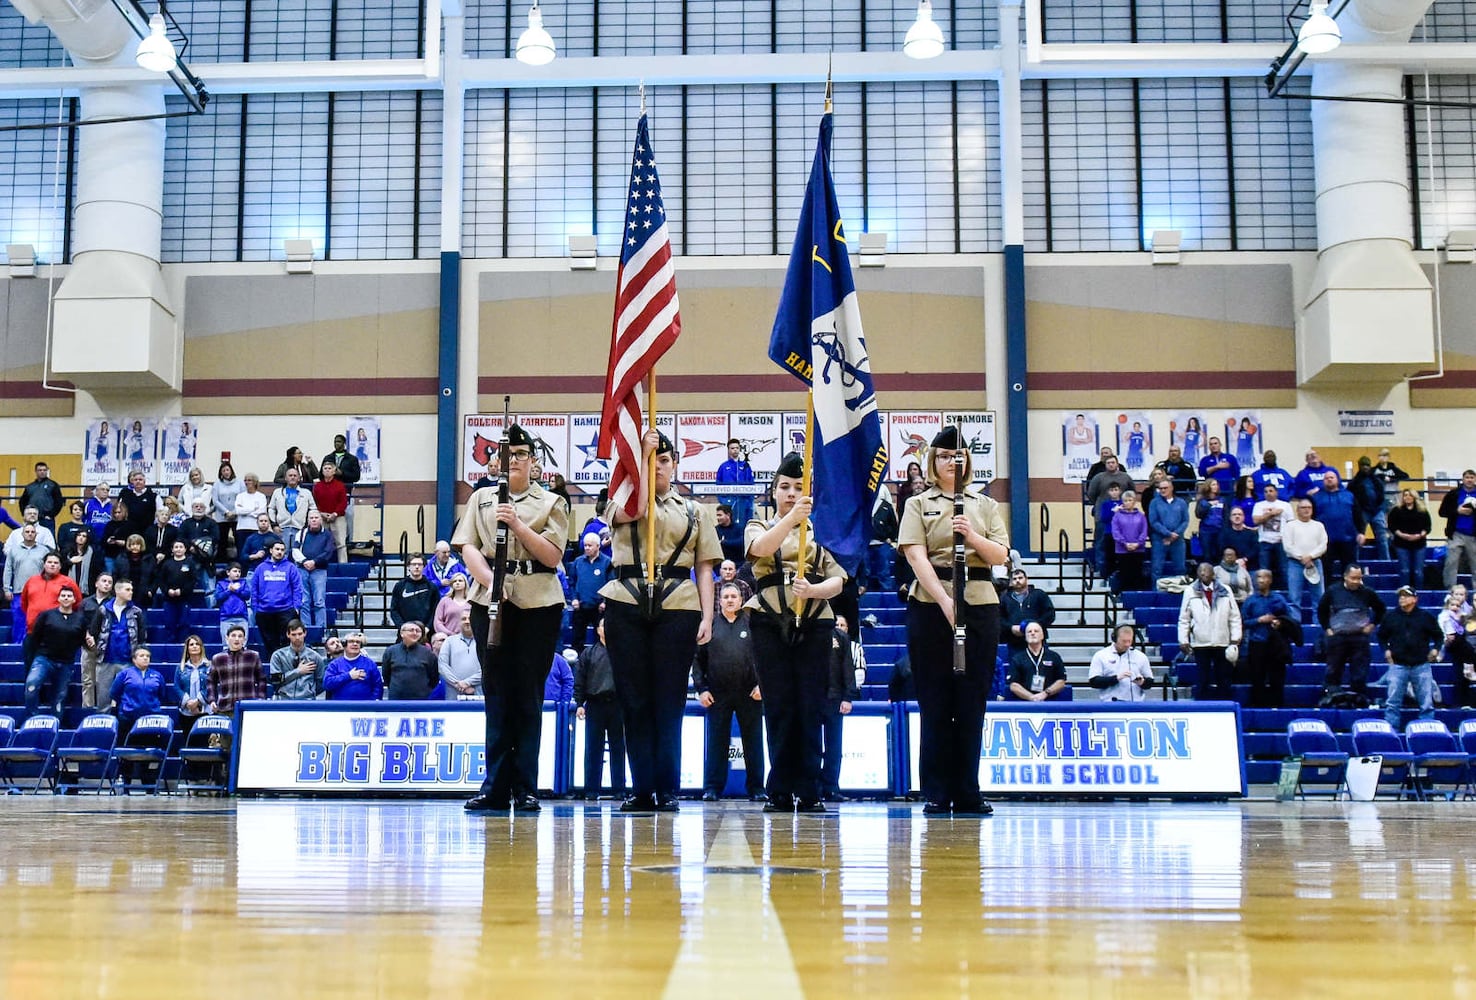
1460,379
492,385
389,386
1148,380
32,390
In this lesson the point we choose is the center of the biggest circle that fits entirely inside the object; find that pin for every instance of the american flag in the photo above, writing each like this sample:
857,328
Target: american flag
646,321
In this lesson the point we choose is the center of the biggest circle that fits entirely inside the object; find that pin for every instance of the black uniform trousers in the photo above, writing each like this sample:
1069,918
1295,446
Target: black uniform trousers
719,738
603,721
513,676
651,660
581,620
831,768
951,706
792,677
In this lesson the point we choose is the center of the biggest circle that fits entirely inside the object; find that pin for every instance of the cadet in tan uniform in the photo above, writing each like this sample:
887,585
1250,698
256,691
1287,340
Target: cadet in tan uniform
951,705
793,655
653,632
532,612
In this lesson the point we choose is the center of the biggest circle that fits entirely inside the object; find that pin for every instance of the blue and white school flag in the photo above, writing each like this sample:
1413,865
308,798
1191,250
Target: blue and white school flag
817,338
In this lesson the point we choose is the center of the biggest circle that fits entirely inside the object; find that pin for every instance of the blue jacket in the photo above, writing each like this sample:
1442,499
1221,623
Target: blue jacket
1105,509
1310,479
1226,476
589,577
442,578
1168,516
1255,606
341,687
1339,514
182,675
1275,476
560,683
318,546
137,692
277,586
118,634
232,602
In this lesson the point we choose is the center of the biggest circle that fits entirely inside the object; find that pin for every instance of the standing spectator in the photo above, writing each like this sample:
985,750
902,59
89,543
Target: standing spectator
1220,466
1458,507
1106,551
841,691
45,537
1245,541
1130,537
1368,499
1119,671
558,687
353,676
725,677
236,674
601,527
114,538
251,503
1455,621
1305,543
1339,514
232,596
57,636
289,508
1409,524
737,472
1111,473
913,484
140,502
882,548
77,511
223,506
1349,612
442,567
315,550
461,667
452,607
38,594
589,573
277,593
258,545
1106,452
1168,521
345,461
296,462
174,584
1180,472
159,539
604,725
22,561
98,510
138,565
414,597
1247,495
1412,640
195,488
1309,482
1231,574
1209,511
1272,633
1270,472
101,594
201,537
1269,517
729,531
81,560
1036,673
409,668
44,494
331,496
1020,605
119,628
192,682
1209,624
1389,476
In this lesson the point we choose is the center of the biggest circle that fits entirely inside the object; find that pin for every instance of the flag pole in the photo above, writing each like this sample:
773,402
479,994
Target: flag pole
651,479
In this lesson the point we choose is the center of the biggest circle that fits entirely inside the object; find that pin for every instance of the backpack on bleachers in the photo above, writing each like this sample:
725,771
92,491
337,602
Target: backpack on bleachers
1344,699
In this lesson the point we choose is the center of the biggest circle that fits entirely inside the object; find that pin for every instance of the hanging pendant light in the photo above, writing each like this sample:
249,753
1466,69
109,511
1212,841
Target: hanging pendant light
1319,33
535,46
924,39
156,52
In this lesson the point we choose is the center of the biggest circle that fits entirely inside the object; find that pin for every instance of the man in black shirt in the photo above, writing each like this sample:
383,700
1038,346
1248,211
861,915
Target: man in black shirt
1036,673
43,494
726,679
1019,606
414,598
410,669
58,634
594,693
1349,612
839,693
1412,639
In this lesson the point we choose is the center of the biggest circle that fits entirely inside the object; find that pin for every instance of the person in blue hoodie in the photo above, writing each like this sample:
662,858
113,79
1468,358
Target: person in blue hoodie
316,548
277,591
1270,472
1339,514
136,691
353,676
233,599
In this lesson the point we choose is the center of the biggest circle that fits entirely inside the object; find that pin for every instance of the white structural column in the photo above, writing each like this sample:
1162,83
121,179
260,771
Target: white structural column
1369,314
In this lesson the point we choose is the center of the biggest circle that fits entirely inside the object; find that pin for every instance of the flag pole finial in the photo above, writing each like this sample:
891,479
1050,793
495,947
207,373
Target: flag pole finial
643,95
829,63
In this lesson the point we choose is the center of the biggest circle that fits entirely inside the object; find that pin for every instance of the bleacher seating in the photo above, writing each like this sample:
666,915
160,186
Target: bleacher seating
1375,737
1323,762
206,755
31,754
144,752
89,755
1437,756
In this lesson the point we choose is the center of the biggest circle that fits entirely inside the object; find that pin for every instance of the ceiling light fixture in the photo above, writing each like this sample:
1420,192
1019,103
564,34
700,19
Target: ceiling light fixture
1319,33
535,46
924,39
156,52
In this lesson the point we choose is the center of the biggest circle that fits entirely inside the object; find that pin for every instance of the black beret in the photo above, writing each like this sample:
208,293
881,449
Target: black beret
792,466
947,437
664,445
517,437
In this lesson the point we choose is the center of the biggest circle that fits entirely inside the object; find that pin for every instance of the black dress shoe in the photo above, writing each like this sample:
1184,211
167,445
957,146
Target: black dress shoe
710,796
639,803
526,804
834,797
667,804
758,797
810,806
973,807
937,809
485,803
780,804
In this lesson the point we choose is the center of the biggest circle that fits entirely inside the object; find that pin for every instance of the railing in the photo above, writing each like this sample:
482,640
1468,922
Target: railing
420,525
1045,527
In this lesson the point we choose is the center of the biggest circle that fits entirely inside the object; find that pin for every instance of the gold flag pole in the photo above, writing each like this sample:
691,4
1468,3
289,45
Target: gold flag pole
651,479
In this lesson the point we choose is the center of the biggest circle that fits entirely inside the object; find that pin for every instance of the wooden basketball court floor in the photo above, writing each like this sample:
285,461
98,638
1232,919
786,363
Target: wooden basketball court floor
148,898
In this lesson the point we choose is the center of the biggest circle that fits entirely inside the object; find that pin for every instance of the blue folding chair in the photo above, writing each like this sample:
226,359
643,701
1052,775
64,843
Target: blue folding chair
33,746
1317,745
7,730
1437,756
206,755
144,752
1468,741
90,755
1375,736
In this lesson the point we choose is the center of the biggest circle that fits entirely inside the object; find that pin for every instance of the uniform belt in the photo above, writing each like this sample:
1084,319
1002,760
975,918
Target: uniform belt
972,573
526,567
783,579
662,573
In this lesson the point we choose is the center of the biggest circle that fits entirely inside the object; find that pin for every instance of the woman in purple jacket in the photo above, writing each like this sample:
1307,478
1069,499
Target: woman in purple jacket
1130,537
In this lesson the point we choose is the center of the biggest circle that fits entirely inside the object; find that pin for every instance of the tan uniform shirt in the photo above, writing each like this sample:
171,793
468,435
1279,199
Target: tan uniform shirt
702,545
818,562
927,520
542,510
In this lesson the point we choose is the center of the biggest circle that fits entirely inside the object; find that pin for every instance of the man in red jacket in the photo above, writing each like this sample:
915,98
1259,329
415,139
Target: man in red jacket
331,496
40,594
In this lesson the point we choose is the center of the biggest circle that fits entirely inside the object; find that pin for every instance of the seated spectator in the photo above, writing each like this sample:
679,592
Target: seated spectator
1218,465
1409,526
192,682
1305,543
1270,472
174,585
1168,523
251,503
1269,517
1209,624
1272,633
1339,514
332,497
232,600
460,665
1130,538
453,607
409,668
1036,673
56,636
136,691
290,506
257,546
236,674
559,687
77,511
1310,481
1245,541
414,597
1232,574
1119,671
1412,640
316,549
296,462
1020,605
1209,511
442,566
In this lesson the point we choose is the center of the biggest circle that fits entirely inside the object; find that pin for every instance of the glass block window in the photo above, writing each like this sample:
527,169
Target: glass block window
729,205
33,181
1186,182
1093,176
202,173
1274,170
1447,181
284,184
483,214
